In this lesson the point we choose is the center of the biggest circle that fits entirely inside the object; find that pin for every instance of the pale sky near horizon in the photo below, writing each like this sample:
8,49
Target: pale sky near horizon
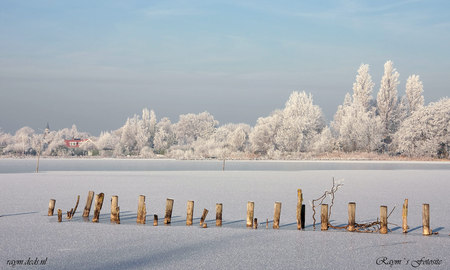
95,63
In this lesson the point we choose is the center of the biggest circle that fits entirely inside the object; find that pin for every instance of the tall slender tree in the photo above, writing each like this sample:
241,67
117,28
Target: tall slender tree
414,90
387,99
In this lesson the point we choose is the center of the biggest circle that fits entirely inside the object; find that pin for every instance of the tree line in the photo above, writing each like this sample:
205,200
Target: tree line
388,124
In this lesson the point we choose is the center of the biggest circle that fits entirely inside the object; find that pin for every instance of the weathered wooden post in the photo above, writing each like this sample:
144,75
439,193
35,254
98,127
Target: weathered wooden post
267,223
115,218
383,219
276,215
405,216
255,223
155,220
98,206
142,210
299,208
202,219
190,213
426,219
324,217
219,208
87,208
351,216
59,215
250,212
51,207
169,208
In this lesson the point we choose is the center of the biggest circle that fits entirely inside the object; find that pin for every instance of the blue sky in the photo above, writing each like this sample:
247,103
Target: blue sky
95,63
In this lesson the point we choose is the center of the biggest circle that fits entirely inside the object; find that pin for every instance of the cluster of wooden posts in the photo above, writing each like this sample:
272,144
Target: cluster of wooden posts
252,222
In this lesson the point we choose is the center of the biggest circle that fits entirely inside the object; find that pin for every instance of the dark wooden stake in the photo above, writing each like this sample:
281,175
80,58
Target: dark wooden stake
426,219
267,223
142,210
98,206
115,210
299,208
405,216
219,208
255,223
190,213
351,216
250,212
324,217
87,208
303,216
276,215
59,215
202,219
383,219
155,220
51,207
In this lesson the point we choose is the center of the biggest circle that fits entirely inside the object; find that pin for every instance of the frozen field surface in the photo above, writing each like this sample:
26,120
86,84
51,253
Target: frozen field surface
27,232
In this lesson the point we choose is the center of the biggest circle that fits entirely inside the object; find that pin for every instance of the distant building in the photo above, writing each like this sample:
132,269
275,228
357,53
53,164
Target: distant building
74,143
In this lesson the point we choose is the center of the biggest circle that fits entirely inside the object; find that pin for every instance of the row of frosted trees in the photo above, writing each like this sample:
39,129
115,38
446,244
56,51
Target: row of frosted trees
388,124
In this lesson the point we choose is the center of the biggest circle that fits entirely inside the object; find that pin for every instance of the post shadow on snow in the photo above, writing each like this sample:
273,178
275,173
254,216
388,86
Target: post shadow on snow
160,256
18,214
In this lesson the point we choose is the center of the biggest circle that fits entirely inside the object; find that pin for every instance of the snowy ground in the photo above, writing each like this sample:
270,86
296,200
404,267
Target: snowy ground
27,232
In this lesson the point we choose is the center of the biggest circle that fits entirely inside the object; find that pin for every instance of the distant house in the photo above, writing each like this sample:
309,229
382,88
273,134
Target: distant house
74,143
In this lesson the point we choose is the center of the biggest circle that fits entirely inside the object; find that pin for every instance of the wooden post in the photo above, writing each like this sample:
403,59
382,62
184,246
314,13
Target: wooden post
169,208
250,212
72,211
267,223
202,219
59,215
190,213
115,218
351,216
87,208
98,206
51,207
299,208
142,210
426,219
155,220
383,219
255,223
324,217
405,216
205,225
219,208
303,216
276,215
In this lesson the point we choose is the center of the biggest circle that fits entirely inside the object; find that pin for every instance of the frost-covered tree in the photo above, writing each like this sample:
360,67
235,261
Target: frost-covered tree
362,87
5,139
301,122
324,142
21,142
355,128
128,142
191,127
387,99
414,90
426,131
164,136
262,136
107,141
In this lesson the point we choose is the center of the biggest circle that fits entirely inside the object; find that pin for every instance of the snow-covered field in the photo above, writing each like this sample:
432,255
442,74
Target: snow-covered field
27,232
